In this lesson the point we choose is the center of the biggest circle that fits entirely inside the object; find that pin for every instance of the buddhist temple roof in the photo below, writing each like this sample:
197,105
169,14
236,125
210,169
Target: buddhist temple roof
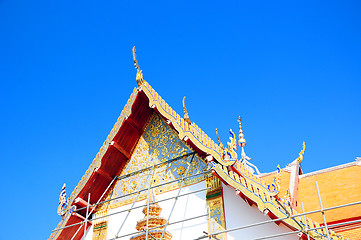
284,180
338,185
120,143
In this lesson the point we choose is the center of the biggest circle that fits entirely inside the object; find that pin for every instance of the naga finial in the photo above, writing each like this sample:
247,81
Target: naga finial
186,116
219,140
300,155
278,178
241,140
62,201
139,77
275,187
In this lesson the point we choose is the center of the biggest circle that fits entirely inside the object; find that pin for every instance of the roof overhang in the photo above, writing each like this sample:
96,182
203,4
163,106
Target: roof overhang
121,141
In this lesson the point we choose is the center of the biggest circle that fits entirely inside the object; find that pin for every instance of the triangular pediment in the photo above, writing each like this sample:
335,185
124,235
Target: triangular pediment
151,144
159,157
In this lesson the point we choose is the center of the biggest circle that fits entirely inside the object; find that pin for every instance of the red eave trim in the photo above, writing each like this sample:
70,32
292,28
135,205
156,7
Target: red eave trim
112,163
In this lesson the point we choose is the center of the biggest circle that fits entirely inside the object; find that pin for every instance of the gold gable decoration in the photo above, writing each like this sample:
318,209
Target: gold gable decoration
300,155
159,145
242,180
100,225
186,115
215,208
139,77
63,203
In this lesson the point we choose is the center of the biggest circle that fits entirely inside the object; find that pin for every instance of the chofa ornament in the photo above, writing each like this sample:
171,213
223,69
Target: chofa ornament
62,201
139,77
230,152
230,155
300,155
275,187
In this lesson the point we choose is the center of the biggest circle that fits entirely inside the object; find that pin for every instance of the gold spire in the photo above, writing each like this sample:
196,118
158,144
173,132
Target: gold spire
186,116
139,77
300,155
241,140
152,223
219,140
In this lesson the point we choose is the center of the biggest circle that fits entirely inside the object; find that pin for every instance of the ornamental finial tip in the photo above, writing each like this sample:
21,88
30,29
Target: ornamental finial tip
219,140
300,155
241,139
186,116
139,77
62,201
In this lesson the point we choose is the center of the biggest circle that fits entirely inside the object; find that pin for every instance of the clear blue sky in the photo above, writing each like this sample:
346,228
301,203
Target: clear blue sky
291,70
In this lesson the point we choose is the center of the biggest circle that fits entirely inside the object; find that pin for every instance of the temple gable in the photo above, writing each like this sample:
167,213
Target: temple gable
159,146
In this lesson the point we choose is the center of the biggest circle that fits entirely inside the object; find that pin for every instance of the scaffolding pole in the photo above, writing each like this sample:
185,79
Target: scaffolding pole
241,227
323,213
135,200
289,214
304,219
87,210
139,171
150,235
311,229
154,186
304,229
141,205
176,198
87,216
77,231
150,183
296,215
176,222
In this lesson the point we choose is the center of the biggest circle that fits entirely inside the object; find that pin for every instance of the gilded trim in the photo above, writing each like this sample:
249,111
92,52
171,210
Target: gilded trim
237,175
265,201
249,184
158,143
100,225
192,131
96,161
215,207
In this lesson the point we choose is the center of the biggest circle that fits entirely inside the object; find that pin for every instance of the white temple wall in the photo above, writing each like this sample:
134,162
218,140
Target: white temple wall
238,213
89,234
188,206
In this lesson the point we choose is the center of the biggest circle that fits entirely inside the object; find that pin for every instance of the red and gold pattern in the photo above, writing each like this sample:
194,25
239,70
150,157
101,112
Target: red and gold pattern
216,218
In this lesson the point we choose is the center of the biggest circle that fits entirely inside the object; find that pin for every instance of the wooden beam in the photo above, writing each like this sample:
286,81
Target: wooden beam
104,174
134,125
82,203
120,149
81,217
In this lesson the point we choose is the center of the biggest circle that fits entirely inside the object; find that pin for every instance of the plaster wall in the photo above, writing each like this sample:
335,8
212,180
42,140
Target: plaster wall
89,234
188,206
238,213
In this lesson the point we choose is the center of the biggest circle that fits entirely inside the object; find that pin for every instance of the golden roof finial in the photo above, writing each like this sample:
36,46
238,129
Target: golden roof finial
63,203
139,77
219,140
300,155
241,140
186,116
